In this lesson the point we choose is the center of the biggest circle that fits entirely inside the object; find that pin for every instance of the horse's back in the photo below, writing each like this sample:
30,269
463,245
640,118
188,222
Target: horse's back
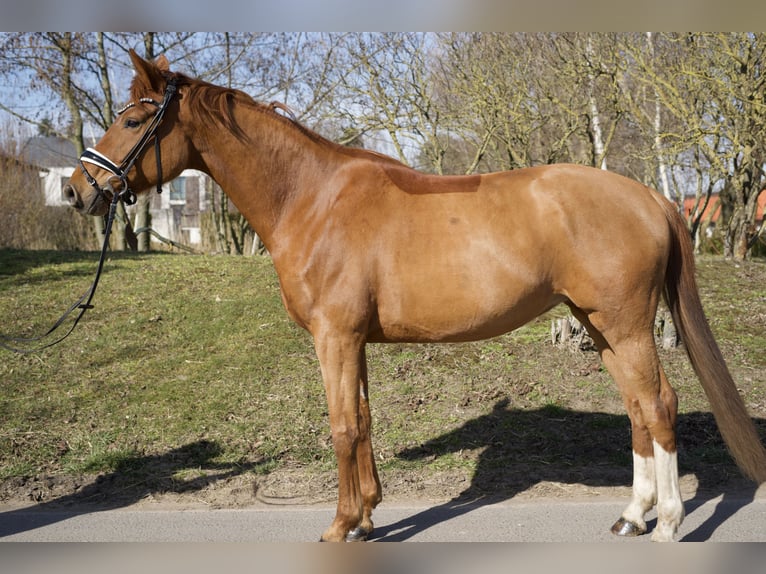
476,262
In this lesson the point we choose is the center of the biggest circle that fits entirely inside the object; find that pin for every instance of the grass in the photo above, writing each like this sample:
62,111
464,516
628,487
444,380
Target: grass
192,359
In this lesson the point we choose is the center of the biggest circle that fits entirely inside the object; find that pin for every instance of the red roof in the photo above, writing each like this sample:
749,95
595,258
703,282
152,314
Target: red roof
714,208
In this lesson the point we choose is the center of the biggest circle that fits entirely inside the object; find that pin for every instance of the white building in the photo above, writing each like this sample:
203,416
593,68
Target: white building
174,213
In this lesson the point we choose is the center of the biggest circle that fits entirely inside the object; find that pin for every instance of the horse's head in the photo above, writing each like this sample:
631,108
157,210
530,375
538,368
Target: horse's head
140,149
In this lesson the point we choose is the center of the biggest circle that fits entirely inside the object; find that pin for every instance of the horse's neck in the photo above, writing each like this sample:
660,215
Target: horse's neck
268,172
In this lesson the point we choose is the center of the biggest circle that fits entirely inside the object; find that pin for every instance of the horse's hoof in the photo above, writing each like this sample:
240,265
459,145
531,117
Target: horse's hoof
358,534
626,528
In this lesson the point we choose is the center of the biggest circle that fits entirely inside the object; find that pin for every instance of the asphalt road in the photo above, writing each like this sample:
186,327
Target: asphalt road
723,518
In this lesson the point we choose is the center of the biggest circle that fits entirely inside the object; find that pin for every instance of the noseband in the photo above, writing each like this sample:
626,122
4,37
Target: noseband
120,171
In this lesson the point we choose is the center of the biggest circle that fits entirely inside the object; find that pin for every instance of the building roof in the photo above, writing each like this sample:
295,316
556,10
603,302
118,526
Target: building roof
713,209
50,151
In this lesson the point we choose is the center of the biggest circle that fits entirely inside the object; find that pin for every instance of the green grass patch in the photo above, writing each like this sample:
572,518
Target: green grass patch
192,360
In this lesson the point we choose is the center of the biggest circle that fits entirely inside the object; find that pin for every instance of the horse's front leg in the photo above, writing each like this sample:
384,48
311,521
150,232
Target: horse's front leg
369,481
339,357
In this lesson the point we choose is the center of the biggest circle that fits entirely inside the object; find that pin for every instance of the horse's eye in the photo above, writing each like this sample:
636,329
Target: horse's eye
131,123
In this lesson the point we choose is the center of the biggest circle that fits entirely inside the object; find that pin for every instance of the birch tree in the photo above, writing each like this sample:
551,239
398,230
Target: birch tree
658,146
586,66
711,89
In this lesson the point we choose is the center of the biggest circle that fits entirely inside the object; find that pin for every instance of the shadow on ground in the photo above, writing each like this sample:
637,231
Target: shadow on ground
133,479
518,449
523,448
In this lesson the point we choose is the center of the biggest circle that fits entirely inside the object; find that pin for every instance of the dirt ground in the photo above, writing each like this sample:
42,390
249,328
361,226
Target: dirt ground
294,486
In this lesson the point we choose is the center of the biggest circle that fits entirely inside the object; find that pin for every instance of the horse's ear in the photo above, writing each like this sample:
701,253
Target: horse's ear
148,73
162,63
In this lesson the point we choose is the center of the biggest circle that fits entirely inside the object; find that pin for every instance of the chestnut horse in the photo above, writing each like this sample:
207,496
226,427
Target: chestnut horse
369,250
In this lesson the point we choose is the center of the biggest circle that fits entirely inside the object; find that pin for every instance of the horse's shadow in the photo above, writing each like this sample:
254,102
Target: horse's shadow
18,262
133,479
522,448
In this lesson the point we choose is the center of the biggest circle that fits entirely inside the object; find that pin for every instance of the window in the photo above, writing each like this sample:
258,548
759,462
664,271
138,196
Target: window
177,190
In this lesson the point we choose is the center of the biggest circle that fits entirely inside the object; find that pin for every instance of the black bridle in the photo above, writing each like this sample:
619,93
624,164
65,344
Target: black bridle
120,171
108,194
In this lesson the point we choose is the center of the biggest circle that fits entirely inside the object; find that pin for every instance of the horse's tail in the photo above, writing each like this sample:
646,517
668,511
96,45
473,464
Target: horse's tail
729,409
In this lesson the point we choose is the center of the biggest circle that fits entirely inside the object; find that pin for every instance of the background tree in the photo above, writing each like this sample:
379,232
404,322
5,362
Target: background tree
486,98
52,62
379,96
711,88
142,222
684,113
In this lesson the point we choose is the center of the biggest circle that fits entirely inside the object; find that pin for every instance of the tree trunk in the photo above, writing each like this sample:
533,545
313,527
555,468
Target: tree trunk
218,203
599,149
99,228
657,124
143,215
742,197
143,221
119,241
737,240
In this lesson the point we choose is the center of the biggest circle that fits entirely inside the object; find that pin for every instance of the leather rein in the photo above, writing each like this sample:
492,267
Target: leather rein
23,345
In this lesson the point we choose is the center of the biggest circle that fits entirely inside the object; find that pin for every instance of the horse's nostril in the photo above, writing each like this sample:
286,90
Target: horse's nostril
71,195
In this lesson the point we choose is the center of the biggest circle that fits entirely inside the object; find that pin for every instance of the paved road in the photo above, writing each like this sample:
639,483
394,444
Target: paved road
724,518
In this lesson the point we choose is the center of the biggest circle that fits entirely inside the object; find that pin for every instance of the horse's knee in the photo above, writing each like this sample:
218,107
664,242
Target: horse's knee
345,440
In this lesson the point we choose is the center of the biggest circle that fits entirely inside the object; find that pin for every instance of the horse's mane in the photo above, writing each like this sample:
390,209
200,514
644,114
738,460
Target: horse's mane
213,106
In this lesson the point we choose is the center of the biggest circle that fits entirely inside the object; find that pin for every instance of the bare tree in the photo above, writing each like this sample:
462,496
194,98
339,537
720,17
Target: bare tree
375,99
54,61
682,112
586,75
483,86
711,88
143,201
657,128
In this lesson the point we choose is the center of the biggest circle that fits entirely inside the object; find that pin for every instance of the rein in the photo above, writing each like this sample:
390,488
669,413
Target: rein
107,193
83,303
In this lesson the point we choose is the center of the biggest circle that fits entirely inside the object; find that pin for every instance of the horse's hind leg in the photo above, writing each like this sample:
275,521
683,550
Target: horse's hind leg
631,522
631,358
652,407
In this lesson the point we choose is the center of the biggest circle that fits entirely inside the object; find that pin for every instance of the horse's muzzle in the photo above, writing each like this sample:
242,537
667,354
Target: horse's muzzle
95,204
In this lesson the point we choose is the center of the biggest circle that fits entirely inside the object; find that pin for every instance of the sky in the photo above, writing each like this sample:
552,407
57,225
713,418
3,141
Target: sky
369,15
381,15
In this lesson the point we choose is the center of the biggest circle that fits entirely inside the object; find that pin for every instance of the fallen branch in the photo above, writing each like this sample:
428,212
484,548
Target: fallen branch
165,239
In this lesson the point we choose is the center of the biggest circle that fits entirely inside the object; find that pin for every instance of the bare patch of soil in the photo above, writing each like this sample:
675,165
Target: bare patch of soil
296,486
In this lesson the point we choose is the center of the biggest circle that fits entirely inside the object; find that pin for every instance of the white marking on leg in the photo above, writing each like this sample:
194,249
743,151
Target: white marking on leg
670,507
644,491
